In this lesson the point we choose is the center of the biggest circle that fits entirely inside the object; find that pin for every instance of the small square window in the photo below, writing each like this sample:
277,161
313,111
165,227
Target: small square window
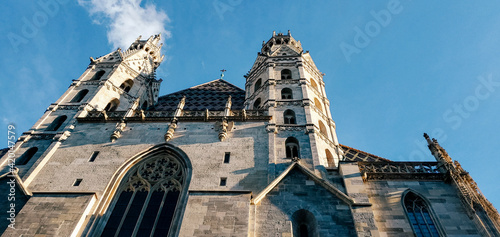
77,182
226,157
93,156
223,181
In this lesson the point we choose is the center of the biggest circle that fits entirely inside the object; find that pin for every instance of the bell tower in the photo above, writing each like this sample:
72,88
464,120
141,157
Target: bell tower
285,81
118,81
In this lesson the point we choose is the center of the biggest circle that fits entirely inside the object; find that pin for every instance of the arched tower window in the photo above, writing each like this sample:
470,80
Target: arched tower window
286,94
322,128
79,96
256,104
56,124
329,158
292,147
318,104
146,201
127,85
286,74
420,216
26,156
289,117
257,85
314,85
98,75
304,224
112,105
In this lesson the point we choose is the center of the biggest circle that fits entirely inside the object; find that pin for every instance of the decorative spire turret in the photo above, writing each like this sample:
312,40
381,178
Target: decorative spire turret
280,39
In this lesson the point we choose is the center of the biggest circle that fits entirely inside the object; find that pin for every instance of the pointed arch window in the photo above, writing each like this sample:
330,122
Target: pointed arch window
286,94
322,128
56,124
420,216
292,147
304,224
314,85
289,117
286,74
112,105
148,199
98,75
318,104
79,96
257,85
127,85
26,156
329,158
256,104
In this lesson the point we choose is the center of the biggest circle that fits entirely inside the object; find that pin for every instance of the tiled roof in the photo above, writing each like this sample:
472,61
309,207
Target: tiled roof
351,154
211,95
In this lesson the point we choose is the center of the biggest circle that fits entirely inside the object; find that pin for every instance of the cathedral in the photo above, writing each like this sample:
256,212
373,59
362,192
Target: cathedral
111,157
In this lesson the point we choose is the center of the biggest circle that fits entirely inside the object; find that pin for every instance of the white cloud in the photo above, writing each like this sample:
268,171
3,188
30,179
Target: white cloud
127,19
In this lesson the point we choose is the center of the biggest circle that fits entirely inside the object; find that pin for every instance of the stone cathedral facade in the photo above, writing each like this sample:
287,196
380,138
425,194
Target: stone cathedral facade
113,158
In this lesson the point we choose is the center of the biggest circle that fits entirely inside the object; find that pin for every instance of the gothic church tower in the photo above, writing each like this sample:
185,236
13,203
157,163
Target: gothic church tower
285,81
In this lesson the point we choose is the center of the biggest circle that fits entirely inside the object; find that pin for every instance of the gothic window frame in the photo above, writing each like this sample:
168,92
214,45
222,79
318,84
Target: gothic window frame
289,117
120,180
318,104
79,96
112,105
257,85
304,218
56,123
329,158
257,103
127,85
431,215
26,156
98,75
322,128
284,75
290,144
286,94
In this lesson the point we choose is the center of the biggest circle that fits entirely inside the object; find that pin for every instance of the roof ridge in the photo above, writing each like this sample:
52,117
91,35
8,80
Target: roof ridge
194,87
382,158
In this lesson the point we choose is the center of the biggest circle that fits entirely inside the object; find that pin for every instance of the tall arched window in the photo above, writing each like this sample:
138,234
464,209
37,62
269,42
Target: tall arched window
322,128
289,117
420,215
56,124
112,105
79,96
98,75
329,158
146,202
292,147
286,94
318,104
286,74
26,156
257,85
314,85
304,224
256,104
127,85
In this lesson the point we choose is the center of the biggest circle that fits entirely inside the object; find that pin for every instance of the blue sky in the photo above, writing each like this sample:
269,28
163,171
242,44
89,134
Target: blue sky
431,67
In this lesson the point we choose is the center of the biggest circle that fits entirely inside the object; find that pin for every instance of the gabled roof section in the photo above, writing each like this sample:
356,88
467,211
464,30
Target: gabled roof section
325,184
211,95
351,154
